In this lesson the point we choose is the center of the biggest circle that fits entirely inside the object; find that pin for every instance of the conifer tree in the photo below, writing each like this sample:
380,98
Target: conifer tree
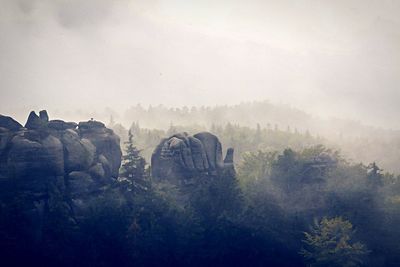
134,166
330,243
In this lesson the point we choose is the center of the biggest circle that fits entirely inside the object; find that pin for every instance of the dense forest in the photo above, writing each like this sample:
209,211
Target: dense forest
291,202
199,133
261,125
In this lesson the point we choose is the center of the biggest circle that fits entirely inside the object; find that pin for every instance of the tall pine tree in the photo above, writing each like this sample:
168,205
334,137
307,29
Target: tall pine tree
134,166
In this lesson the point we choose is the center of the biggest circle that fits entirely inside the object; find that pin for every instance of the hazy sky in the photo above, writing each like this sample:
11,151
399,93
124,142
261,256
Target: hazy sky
335,57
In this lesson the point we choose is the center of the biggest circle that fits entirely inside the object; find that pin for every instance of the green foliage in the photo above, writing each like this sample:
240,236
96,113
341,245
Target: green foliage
290,170
212,221
330,243
213,197
256,165
280,127
243,139
375,176
297,186
310,166
134,166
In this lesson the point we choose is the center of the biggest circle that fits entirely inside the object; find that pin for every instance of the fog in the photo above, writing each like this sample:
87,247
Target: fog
330,58
199,133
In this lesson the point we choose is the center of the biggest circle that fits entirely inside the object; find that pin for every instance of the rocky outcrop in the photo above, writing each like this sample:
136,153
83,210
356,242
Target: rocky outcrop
9,123
182,157
77,159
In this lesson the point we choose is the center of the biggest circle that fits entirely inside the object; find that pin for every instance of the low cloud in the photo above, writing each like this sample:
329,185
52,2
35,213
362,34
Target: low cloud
332,59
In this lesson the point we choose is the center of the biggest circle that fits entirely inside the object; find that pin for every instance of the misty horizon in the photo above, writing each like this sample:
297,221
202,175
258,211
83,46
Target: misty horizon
200,133
337,59
121,115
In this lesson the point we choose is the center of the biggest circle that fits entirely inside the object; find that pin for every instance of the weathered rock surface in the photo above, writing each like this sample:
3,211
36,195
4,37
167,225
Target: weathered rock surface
9,123
78,160
34,122
79,153
184,157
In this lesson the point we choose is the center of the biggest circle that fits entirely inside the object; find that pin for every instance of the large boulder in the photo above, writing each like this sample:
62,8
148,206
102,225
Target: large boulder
34,122
44,116
60,125
22,158
184,157
9,123
106,142
56,156
30,157
199,155
35,164
79,153
212,148
5,138
53,155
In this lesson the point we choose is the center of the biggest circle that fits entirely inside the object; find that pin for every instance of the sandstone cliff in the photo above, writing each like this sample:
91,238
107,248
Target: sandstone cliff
52,156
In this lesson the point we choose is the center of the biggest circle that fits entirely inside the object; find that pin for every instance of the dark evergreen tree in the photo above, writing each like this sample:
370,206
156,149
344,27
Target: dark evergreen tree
330,243
375,177
134,167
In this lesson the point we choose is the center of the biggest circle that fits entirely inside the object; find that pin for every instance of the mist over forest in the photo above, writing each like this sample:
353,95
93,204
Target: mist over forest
357,140
199,133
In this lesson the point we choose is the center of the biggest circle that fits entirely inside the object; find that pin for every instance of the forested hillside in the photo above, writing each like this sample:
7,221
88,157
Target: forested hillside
245,133
262,125
288,200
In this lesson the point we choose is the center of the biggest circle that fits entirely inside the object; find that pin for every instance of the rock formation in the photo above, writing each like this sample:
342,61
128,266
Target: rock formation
53,161
76,160
182,157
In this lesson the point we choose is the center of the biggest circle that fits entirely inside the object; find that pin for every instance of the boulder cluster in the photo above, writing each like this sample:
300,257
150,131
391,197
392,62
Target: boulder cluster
183,157
75,162
75,159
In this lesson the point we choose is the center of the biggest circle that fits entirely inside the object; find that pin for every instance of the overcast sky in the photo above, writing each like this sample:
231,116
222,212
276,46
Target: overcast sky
330,58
